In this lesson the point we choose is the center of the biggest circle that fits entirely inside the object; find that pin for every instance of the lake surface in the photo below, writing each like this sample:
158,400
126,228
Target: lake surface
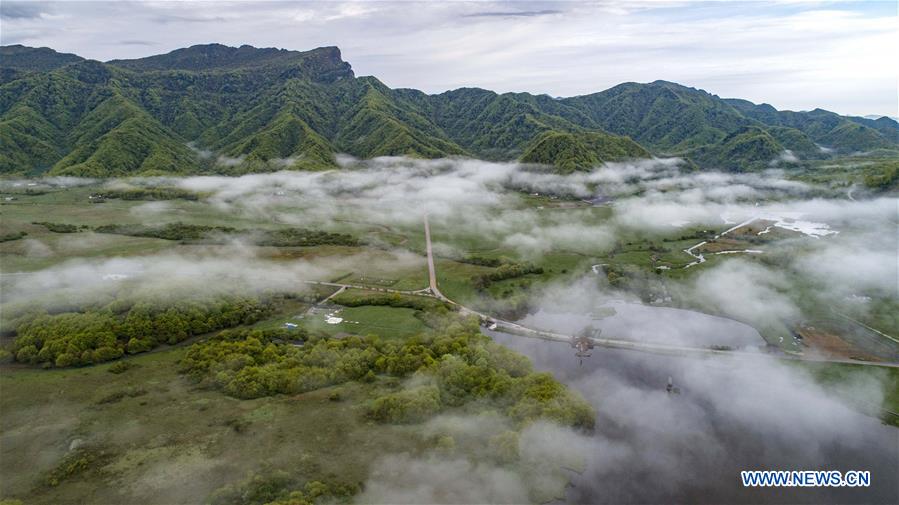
647,323
651,446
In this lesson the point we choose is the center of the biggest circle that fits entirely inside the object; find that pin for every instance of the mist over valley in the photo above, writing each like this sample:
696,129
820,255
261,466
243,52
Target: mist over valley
238,274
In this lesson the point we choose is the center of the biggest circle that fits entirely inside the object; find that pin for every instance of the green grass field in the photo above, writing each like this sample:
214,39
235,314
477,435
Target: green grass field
834,376
385,322
156,438
393,253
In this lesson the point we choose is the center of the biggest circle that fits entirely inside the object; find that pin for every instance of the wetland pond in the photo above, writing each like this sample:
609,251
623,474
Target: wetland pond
647,323
730,414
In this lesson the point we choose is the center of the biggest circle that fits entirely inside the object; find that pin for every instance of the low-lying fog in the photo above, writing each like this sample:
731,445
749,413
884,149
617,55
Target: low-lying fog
731,415
671,326
650,446
469,198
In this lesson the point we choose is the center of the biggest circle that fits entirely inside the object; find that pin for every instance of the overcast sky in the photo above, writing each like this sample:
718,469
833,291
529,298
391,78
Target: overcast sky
792,54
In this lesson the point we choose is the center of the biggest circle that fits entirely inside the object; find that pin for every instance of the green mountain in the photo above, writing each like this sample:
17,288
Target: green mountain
744,147
213,108
34,59
580,151
665,116
827,128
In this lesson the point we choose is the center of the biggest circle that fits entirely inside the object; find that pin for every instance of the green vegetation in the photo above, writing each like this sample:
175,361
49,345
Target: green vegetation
412,405
462,364
834,374
874,172
482,261
747,147
849,134
296,237
77,463
161,193
262,414
107,333
383,321
580,151
882,176
121,367
356,298
15,235
171,231
180,444
267,109
32,59
282,488
59,227
290,237
505,271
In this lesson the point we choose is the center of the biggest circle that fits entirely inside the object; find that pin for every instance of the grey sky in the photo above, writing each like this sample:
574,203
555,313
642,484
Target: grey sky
793,54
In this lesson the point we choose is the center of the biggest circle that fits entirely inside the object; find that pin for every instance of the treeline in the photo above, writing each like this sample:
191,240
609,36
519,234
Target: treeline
289,237
482,261
882,176
357,298
456,367
150,194
107,333
59,227
170,231
505,271
300,237
282,488
13,235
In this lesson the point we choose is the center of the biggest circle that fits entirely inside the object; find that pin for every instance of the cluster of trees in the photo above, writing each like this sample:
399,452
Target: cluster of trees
161,193
298,237
620,276
482,261
455,367
170,231
407,406
882,176
281,488
14,235
107,333
289,237
356,298
76,463
59,227
505,271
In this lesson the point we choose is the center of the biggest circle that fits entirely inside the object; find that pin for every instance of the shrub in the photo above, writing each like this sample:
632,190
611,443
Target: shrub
505,271
463,366
409,406
121,367
103,334
8,237
58,227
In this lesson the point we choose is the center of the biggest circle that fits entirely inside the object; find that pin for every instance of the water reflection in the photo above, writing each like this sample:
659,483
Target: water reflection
646,323
651,446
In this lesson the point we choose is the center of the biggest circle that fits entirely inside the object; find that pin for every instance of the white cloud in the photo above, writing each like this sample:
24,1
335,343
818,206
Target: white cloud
795,56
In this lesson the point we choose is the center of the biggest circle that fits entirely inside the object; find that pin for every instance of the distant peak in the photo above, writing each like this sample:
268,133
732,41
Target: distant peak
39,59
324,62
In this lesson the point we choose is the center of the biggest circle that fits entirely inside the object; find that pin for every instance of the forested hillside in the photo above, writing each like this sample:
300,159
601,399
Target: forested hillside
214,108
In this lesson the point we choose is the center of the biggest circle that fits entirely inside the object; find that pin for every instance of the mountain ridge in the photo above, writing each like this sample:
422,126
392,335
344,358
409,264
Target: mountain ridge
268,108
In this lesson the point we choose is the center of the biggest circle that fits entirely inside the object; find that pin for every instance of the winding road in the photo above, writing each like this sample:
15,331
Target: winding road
680,350
433,291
